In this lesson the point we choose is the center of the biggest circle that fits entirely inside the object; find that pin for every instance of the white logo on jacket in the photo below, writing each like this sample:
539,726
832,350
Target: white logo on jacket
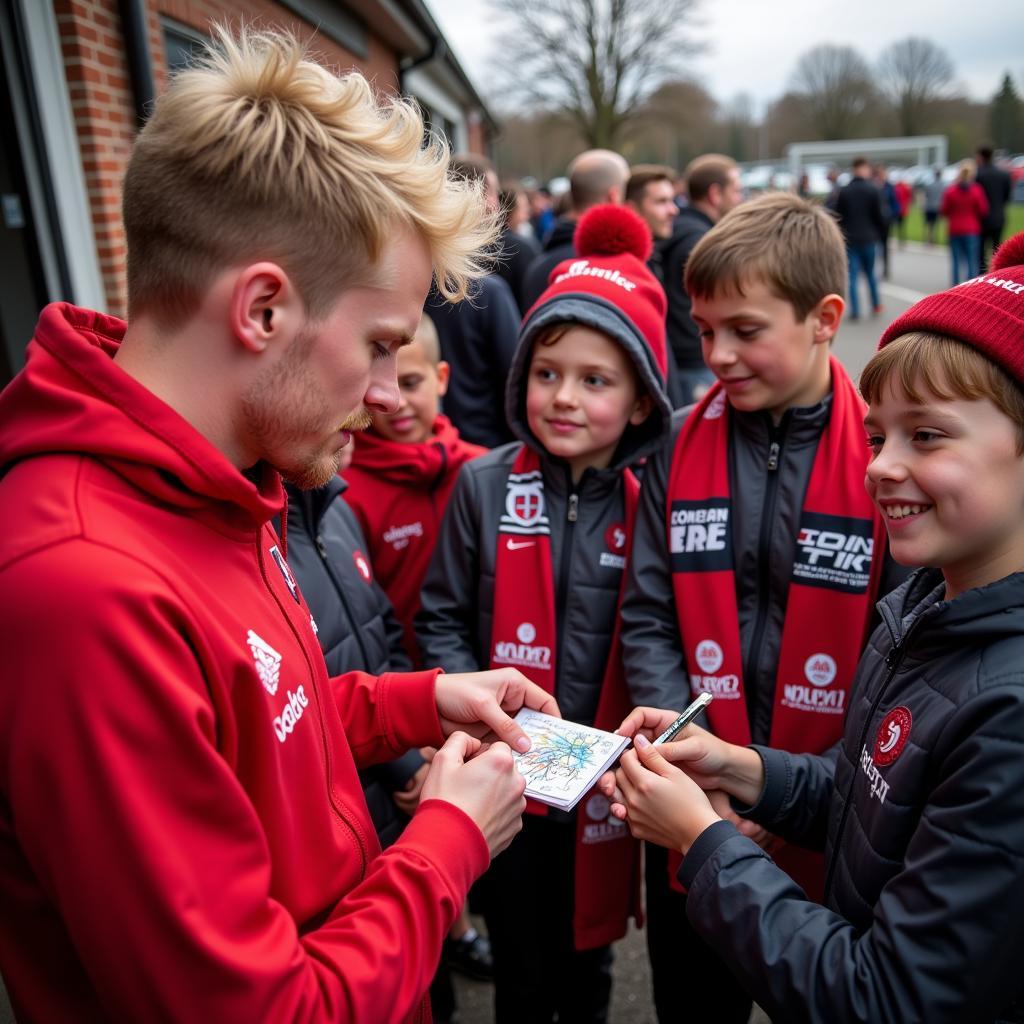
398,536
267,661
290,715
879,787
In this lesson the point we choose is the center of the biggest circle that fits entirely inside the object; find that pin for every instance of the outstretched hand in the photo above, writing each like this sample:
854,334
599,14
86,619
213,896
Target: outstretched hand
482,703
660,803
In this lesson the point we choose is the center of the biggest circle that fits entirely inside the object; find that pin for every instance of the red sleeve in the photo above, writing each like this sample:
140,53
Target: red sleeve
386,715
136,832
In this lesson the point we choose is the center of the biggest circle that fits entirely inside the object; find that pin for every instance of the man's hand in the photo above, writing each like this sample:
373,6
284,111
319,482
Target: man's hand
660,803
484,783
481,703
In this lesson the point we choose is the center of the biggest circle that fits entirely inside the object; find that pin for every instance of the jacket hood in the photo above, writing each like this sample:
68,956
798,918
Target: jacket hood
72,398
561,234
422,464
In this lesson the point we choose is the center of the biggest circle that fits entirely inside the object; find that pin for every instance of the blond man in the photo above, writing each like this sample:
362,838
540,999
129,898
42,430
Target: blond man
182,831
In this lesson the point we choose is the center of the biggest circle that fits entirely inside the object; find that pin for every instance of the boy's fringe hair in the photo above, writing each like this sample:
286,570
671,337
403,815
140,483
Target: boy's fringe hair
256,152
924,364
793,246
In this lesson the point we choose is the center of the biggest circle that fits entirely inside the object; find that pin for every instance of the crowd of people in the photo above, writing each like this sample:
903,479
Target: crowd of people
369,469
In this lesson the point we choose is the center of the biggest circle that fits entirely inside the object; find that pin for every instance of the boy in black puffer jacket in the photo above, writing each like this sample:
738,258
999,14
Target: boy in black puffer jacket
921,805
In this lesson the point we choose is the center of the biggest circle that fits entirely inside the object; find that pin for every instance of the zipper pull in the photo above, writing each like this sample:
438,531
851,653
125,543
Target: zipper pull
573,512
321,547
773,456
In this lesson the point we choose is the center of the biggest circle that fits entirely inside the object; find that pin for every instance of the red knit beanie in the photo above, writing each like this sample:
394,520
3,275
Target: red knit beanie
986,312
610,271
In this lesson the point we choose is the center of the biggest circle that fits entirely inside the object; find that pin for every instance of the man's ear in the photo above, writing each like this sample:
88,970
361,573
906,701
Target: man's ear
444,373
827,315
265,307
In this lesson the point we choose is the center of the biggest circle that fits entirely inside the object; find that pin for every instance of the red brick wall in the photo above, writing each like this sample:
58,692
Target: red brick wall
103,105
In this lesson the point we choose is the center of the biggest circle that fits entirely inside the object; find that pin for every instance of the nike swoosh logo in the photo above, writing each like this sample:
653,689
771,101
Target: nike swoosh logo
516,545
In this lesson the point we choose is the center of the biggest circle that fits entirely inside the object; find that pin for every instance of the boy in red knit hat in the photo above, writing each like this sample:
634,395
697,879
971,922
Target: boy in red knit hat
402,472
921,805
528,570
758,554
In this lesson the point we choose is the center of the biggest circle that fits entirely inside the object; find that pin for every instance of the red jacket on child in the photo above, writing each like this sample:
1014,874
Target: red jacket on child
399,492
183,835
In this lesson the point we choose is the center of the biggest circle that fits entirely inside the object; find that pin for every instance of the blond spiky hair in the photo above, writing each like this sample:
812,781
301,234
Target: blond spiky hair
257,152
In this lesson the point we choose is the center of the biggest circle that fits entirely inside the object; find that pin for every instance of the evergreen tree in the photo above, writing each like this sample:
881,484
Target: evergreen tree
1007,117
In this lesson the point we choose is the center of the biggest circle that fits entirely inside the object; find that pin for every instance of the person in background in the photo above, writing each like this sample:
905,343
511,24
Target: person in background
890,212
933,204
904,199
996,184
596,176
516,248
964,205
478,335
921,805
859,210
713,187
528,570
183,834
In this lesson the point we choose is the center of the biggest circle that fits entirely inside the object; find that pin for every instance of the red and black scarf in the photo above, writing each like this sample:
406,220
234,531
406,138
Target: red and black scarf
523,635
832,588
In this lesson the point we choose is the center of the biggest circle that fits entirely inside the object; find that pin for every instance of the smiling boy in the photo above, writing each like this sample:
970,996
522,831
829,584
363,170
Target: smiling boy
757,553
530,561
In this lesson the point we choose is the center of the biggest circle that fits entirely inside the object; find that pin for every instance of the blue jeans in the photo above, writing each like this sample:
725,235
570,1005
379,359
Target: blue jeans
964,250
862,257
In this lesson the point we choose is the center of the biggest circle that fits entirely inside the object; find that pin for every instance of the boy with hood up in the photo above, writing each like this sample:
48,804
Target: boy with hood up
527,572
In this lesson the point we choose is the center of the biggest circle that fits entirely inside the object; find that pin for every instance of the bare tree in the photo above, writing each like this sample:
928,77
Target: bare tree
595,60
914,73
836,83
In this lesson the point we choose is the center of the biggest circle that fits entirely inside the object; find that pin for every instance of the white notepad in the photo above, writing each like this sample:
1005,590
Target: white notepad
566,759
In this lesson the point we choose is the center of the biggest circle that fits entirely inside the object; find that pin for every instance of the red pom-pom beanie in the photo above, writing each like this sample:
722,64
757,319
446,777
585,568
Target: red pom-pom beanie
608,287
986,312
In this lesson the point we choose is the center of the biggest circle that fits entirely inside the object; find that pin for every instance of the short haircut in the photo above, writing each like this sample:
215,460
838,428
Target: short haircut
592,174
794,246
705,171
427,338
255,152
923,363
470,167
643,175
861,161
985,152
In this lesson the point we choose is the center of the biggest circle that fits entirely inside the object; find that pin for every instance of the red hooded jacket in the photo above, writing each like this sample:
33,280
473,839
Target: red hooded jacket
399,492
182,831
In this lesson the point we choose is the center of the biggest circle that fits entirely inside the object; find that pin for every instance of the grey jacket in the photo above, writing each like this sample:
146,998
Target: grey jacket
766,510
453,626
924,915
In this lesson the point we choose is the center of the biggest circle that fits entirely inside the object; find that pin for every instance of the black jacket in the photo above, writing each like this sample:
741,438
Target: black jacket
766,514
453,626
924,915
996,183
557,247
689,227
859,208
516,254
356,625
478,337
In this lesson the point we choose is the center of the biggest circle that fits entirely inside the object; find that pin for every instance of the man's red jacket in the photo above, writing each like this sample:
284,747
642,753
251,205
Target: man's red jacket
399,493
182,831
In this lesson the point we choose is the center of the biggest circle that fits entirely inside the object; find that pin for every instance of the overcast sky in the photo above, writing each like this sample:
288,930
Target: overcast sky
752,45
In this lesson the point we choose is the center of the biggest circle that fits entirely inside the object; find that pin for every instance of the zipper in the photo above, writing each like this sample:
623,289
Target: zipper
572,514
777,435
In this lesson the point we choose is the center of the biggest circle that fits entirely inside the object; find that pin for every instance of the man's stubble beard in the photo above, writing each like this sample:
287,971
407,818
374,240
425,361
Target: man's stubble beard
272,417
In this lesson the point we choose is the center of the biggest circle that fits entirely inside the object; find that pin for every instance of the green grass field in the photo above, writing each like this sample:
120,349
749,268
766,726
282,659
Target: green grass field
915,227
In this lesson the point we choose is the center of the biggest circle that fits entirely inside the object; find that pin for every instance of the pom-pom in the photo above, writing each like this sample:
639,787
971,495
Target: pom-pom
611,230
1009,254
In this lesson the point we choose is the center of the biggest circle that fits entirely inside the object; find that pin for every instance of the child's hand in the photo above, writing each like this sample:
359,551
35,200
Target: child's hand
658,801
649,722
408,798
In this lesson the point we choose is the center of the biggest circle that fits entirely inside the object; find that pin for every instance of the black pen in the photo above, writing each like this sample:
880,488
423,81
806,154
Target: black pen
685,718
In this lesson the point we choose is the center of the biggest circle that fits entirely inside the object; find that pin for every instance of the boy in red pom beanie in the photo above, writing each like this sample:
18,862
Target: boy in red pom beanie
528,570
757,555
921,804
